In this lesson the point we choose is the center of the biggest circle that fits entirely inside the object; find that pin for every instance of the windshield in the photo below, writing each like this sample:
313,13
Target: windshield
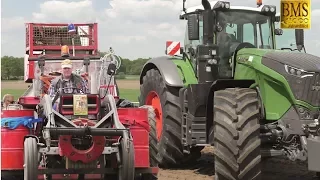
287,39
246,26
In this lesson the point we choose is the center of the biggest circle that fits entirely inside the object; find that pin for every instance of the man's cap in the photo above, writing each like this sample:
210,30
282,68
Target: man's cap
66,64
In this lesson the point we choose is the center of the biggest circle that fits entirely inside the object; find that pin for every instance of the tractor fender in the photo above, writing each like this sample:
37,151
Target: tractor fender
216,86
167,69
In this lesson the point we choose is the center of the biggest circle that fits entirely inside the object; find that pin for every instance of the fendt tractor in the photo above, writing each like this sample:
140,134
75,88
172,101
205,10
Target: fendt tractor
95,135
234,90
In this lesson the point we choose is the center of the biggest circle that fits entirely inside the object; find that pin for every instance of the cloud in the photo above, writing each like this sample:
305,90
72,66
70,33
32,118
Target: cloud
11,24
134,28
61,11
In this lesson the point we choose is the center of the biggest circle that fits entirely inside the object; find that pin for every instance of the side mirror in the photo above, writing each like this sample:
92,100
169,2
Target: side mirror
193,27
278,32
111,69
299,38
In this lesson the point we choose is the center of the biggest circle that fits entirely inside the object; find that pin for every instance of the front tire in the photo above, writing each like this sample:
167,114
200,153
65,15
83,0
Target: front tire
237,134
30,159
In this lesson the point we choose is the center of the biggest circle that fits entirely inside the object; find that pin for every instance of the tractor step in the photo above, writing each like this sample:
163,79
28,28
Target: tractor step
194,118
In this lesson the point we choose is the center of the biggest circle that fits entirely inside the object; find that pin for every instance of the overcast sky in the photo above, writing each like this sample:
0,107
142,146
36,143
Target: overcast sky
134,28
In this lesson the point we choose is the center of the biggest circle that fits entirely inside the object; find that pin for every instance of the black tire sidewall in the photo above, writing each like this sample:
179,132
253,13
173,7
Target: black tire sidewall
153,81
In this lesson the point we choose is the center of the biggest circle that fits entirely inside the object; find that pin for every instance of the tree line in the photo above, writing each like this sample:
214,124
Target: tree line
12,68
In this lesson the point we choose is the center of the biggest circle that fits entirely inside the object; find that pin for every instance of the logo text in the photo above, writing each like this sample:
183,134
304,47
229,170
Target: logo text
295,14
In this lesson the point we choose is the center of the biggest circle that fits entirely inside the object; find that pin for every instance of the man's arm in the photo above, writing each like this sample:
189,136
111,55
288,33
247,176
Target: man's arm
52,88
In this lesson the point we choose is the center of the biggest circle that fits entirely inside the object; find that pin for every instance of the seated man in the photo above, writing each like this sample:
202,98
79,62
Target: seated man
70,82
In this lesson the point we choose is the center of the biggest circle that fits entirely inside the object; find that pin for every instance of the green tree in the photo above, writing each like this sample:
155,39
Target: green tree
12,67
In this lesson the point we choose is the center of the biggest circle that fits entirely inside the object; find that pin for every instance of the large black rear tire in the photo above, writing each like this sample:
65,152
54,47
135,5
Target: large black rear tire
237,134
169,143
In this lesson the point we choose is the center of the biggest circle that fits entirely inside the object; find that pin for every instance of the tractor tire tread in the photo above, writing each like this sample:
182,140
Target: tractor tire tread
236,134
170,151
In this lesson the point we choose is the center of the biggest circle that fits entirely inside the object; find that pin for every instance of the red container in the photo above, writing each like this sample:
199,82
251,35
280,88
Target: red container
137,119
48,37
12,141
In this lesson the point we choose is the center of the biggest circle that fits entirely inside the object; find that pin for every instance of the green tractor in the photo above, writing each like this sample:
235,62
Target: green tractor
234,90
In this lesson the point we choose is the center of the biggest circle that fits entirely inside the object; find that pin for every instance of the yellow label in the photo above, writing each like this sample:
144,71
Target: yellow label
80,105
295,14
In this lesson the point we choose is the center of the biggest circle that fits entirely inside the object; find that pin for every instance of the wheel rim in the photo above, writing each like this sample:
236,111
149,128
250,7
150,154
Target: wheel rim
154,100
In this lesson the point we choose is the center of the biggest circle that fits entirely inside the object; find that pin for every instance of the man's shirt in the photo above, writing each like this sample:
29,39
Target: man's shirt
69,88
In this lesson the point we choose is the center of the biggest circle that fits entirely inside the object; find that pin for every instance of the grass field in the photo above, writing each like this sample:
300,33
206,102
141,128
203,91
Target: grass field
129,88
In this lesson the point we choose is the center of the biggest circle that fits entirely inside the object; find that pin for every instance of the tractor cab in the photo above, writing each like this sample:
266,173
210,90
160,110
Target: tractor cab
229,28
224,30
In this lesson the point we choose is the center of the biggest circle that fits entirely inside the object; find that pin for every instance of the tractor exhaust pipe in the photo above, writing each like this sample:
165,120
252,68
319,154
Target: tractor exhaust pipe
206,5
207,23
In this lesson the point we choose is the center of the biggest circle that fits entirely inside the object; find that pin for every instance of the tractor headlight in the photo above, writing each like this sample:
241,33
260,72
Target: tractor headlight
227,5
221,5
268,9
297,72
272,9
212,61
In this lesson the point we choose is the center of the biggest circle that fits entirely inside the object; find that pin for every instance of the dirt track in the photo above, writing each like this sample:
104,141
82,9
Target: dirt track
200,170
273,169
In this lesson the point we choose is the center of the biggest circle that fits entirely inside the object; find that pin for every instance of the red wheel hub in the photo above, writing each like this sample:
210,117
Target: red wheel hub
154,100
92,153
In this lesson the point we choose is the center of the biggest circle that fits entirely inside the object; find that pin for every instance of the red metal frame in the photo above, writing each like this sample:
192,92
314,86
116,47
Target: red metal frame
32,28
30,102
91,111
111,90
136,119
